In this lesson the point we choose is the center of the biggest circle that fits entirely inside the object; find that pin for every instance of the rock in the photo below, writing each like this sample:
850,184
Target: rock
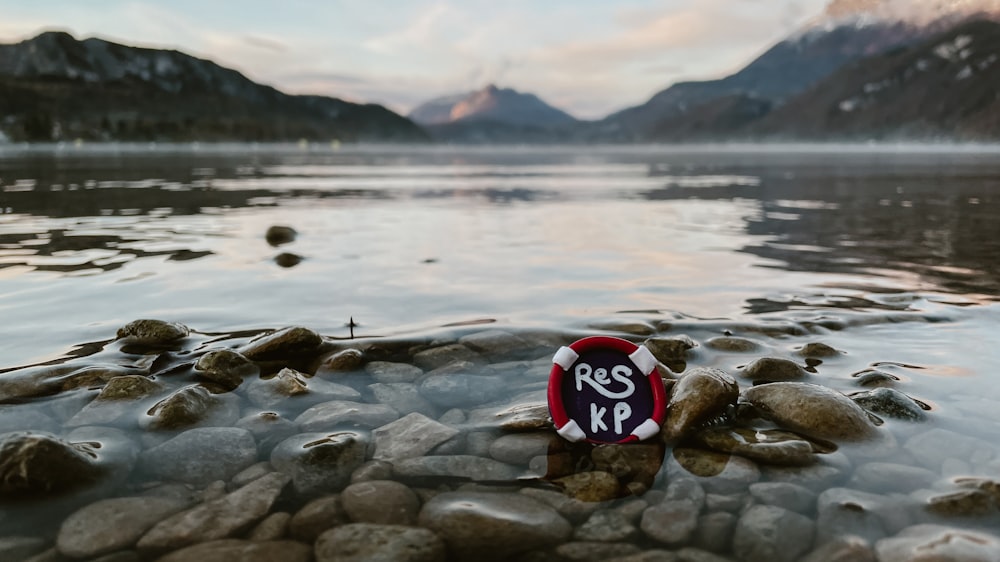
773,369
225,367
875,378
403,397
606,526
990,486
337,414
890,403
766,446
288,259
289,384
282,344
455,466
671,522
520,448
596,551
17,548
372,470
843,511
520,417
732,344
884,477
188,406
813,410
481,526
715,531
380,501
387,372
671,351
250,473
765,533
202,455
633,327
629,461
152,332
128,387
842,549
932,447
277,235
116,401
496,343
319,463
317,516
819,476
227,550
113,524
784,495
39,464
461,391
818,350
271,528
413,435
344,361
268,429
962,503
362,542
437,357
216,519
592,486
700,395
718,473
937,542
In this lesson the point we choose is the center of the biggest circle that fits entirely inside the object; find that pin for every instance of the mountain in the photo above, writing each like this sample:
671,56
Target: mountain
54,87
944,87
494,114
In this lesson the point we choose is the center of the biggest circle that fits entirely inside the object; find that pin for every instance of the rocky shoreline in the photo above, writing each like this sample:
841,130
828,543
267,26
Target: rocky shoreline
164,443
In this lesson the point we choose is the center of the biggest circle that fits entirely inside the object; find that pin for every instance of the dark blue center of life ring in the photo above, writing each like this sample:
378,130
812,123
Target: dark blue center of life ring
609,416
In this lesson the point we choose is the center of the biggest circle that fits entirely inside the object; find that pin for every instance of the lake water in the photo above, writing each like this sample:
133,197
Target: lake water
886,253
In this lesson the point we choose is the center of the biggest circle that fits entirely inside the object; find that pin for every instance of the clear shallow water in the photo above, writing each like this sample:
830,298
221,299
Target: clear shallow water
885,253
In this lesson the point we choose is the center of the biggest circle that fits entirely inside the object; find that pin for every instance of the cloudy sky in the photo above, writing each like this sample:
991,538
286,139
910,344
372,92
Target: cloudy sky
589,57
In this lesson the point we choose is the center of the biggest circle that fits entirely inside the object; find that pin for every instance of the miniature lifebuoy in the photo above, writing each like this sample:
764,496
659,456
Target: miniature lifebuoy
606,390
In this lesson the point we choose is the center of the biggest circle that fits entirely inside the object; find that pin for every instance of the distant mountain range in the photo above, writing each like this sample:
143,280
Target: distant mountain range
55,87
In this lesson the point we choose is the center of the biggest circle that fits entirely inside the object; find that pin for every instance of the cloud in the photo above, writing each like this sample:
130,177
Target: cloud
266,43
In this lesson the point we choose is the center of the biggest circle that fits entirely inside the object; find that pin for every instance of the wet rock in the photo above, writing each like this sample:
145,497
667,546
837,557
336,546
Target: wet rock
381,501
766,446
227,550
152,332
455,466
403,397
250,473
271,528
520,448
328,416
216,519
496,343
372,470
387,372
17,548
520,417
493,526
875,378
671,351
225,367
458,390
113,524
884,477
819,476
634,327
200,456
671,522
715,531
319,463
767,533
437,357
773,369
700,395
317,516
596,551
128,387
732,344
277,235
937,542
413,435
843,511
932,447
818,349
962,503
890,403
990,486
38,464
591,486
343,361
291,384
282,344
784,495
362,542
288,259
606,526
842,549
634,461
188,406
571,508
116,401
812,410
718,473
268,429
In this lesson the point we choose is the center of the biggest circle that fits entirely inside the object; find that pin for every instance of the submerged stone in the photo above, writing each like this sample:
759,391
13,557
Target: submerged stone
385,502
937,542
671,351
890,403
343,361
411,436
227,550
152,332
362,542
112,524
766,533
328,416
39,464
700,395
732,344
459,390
818,349
812,410
201,456
767,446
184,407
225,367
467,467
291,384
319,463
